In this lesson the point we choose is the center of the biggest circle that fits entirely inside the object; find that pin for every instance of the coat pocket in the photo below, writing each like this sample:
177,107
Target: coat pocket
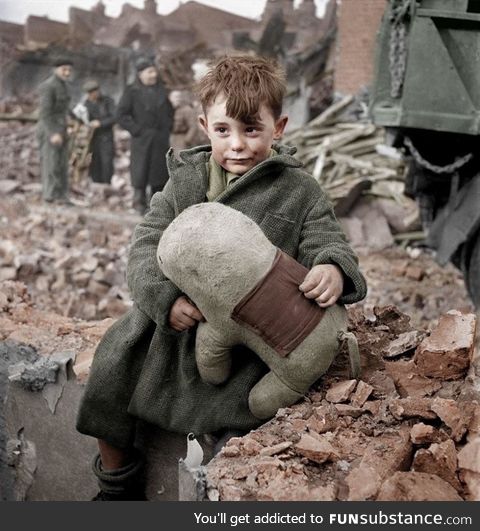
281,231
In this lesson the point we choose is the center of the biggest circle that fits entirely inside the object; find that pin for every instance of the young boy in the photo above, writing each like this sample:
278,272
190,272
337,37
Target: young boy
145,365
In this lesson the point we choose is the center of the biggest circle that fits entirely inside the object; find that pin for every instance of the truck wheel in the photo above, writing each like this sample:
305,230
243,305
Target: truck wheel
473,271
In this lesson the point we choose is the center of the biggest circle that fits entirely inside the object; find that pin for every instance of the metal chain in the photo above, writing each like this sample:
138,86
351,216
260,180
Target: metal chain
398,45
449,168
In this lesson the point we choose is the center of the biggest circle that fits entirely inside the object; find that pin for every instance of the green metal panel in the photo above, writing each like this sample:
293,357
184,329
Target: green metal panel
441,81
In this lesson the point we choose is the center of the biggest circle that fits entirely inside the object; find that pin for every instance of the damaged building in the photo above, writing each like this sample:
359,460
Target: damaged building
105,48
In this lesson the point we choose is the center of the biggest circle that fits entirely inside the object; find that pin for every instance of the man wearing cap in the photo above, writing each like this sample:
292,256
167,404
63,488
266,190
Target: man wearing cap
146,113
101,115
52,133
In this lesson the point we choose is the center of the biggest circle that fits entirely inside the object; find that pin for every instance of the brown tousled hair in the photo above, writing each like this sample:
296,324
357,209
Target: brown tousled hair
247,82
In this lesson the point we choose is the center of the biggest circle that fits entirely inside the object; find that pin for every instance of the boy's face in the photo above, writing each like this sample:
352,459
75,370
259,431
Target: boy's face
238,146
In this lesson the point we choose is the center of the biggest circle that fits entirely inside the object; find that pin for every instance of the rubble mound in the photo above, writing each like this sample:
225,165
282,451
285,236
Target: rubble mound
73,260
408,430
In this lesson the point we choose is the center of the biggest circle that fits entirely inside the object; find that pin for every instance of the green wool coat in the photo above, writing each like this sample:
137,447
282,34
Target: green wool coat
143,368
54,108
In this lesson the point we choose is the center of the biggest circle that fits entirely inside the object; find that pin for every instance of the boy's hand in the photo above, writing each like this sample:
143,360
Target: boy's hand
184,314
324,283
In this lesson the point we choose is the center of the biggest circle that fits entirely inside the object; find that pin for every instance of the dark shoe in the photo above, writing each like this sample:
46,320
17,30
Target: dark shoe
124,496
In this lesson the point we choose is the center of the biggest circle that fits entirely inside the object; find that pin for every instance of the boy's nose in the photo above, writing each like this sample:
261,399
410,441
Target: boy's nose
237,143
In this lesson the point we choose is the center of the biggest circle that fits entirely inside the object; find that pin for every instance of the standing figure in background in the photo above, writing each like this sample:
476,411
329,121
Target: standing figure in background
186,132
147,114
101,116
52,133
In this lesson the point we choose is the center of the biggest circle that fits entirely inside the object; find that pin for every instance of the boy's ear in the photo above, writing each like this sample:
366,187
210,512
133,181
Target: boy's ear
202,120
280,125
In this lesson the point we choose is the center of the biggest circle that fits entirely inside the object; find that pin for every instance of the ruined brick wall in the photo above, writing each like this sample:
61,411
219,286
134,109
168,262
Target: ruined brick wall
11,33
41,30
84,24
358,22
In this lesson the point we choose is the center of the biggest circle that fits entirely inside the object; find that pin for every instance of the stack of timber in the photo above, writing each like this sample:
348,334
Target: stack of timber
341,154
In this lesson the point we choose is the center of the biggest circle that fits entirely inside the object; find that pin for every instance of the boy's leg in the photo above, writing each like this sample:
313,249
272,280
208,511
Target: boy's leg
113,457
119,473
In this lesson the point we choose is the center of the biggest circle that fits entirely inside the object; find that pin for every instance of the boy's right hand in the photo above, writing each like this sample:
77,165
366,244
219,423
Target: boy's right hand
184,314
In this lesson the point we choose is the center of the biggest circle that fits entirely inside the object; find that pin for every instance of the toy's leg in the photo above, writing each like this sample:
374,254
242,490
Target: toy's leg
269,395
213,356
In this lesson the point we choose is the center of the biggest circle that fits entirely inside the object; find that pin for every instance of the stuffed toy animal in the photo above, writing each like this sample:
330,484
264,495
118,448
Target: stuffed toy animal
247,290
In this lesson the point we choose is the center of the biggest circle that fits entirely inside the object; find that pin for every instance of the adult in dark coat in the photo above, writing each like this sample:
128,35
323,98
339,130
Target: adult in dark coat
101,115
52,133
147,114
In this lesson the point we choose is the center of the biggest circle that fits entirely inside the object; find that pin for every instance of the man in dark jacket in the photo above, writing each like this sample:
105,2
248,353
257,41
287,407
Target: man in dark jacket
146,113
52,133
101,115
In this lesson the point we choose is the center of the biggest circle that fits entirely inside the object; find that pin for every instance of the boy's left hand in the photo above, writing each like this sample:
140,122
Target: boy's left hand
324,283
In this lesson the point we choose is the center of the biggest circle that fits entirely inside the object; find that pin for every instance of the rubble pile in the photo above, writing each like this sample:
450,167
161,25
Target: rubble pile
19,156
72,259
22,323
362,176
409,430
413,281
74,263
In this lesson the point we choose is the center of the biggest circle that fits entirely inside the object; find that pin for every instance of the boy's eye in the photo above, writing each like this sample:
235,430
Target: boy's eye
221,130
251,129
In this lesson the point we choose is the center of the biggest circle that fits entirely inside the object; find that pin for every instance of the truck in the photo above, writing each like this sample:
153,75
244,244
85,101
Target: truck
426,93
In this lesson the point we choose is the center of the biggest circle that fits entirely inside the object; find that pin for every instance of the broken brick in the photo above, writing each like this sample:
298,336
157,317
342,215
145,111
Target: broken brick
361,394
341,391
277,449
323,419
405,408
439,459
384,455
408,381
402,344
347,410
457,416
316,450
417,486
424,434
447,352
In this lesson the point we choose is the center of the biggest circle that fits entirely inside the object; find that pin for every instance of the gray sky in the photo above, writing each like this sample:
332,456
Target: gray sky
18,10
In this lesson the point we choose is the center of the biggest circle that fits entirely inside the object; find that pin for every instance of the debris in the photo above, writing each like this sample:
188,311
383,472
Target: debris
417,486
439,459
404,343
315,449
361,394
384,455
341,391
404,408
421,434
447,352
277,449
